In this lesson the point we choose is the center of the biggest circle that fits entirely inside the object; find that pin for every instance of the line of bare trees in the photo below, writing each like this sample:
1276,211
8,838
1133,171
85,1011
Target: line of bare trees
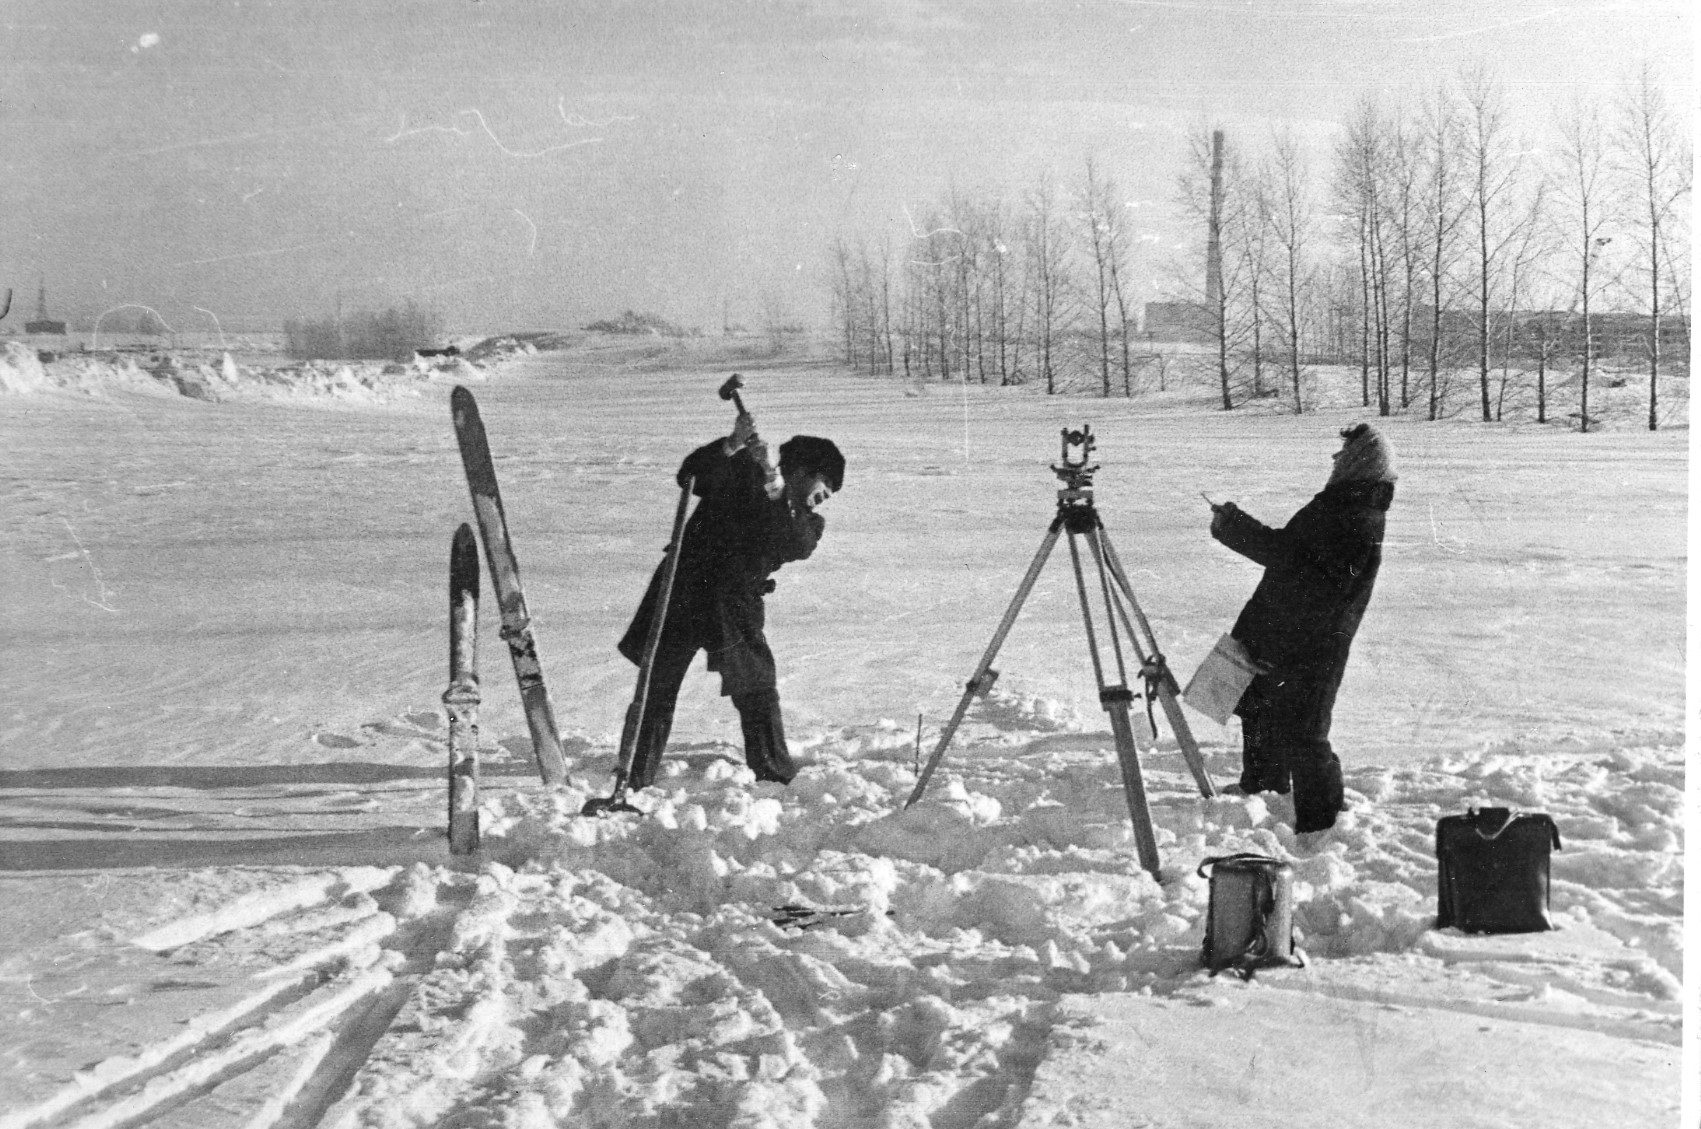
1439,248
986,291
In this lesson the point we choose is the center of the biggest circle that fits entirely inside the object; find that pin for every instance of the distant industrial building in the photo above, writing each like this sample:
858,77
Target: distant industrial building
42,323
1177,321
1559,333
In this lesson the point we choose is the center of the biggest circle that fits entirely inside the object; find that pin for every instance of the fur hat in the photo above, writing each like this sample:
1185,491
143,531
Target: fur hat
1365,457
812,453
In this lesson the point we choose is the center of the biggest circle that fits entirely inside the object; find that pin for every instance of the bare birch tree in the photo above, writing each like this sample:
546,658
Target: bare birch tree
1253,249
1361,159
1656,168
1443,204
1583,196
844,299
1120,292
1292,222
1404,211
1092,219
1048,246
1494,163
1528,243
1106,224
995,225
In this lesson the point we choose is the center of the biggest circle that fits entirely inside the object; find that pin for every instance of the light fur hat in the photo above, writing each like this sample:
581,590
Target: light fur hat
1366,456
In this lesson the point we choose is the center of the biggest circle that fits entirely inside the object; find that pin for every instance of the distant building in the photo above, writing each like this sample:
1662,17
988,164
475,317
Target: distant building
1559,333
42,323
1177,321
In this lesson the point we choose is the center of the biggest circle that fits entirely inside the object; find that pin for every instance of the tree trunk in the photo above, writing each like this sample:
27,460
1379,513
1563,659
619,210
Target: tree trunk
1541,374
1653,314
1364,312
1482,306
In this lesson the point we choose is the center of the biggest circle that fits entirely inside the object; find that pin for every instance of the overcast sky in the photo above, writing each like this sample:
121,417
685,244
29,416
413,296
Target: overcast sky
537,164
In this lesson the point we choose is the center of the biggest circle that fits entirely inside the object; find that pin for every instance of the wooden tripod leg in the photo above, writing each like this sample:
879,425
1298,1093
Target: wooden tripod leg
1167,689
1116,702
979,683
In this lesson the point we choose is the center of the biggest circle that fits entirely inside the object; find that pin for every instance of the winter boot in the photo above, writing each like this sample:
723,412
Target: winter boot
764,735
1318,791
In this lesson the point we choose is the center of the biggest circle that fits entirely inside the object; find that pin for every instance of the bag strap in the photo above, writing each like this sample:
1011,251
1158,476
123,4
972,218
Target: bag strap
1210,862
1512,816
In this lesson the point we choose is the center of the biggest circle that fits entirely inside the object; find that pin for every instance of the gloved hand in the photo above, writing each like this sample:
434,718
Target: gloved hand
1221,514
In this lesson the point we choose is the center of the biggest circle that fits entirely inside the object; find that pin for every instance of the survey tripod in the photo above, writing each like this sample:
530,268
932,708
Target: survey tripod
1079,517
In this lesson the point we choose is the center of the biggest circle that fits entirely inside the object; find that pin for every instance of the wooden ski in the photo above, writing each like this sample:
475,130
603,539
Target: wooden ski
461,698
505,580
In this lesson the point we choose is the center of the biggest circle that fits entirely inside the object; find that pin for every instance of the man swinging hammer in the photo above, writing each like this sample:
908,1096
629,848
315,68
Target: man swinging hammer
753,517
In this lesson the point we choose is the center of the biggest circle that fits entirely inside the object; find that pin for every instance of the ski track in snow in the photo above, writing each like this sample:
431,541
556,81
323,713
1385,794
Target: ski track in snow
222,962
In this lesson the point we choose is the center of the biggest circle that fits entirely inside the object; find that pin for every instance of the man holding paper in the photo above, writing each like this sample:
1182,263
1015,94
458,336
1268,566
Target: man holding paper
1298,627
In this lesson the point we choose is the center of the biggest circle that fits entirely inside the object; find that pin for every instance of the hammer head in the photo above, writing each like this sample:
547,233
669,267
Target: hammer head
731,387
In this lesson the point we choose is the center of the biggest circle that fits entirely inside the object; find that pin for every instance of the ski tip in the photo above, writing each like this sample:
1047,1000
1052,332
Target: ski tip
461,399
463,559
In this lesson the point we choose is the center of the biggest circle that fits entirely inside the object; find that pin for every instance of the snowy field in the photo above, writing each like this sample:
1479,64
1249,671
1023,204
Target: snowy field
225,893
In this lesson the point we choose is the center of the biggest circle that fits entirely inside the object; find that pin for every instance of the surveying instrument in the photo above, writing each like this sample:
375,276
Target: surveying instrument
1077,516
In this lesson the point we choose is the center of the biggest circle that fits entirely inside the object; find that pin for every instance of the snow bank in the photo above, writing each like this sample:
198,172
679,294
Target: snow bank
498,349
20,370
221,378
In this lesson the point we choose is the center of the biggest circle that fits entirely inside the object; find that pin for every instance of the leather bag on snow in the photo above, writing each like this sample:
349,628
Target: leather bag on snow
1494,870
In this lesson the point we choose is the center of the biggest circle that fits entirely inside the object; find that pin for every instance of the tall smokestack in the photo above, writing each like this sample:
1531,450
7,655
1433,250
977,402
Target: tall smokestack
1214,244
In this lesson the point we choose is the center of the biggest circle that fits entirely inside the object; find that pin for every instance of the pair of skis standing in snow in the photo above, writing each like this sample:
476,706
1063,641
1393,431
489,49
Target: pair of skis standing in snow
756,515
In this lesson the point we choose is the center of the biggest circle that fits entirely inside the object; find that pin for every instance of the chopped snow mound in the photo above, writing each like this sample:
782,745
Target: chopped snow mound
1041,852
921,952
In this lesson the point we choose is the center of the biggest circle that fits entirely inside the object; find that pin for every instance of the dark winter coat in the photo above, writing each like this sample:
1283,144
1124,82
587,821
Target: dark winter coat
1319,570
733,543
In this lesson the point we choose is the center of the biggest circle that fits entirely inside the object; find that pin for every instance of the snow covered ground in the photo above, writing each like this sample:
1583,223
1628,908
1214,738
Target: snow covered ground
224,887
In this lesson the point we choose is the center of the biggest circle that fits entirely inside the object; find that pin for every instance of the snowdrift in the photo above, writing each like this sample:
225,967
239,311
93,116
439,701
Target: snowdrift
221,378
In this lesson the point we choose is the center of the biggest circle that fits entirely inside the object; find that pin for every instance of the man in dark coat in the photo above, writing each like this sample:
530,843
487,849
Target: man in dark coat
753,518
1299,624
